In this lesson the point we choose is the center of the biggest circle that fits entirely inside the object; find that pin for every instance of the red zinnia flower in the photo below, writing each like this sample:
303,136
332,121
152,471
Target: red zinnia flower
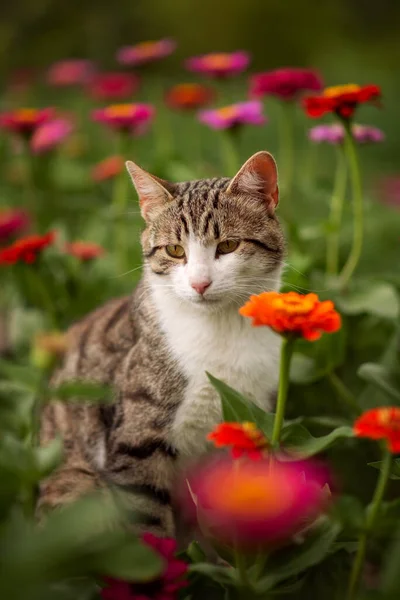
25,121
164,587
12,221
285,84
341,100
108,168
84,250
125,117
113,86
244,438
380,424
189,96
26,249
292,313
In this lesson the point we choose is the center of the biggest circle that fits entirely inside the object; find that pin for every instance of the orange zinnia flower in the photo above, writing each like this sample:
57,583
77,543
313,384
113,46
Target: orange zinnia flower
84,250
341,99
26,249
244,438
380,424
292,313
108,168
189,96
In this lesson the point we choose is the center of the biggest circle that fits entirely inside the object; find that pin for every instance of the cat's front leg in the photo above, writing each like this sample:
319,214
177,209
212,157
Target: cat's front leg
198,414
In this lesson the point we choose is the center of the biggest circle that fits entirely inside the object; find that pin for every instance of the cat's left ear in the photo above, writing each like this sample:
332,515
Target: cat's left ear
258,177
153,192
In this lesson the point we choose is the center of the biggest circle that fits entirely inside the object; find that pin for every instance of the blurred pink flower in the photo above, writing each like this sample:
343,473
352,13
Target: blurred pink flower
243,113
145,52
335,134
12,221
165,587
285,84
70,72
113,86
219,64
254,503
25,121
49,135
125,117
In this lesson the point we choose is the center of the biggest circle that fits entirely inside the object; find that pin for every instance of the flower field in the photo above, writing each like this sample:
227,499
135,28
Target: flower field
301,503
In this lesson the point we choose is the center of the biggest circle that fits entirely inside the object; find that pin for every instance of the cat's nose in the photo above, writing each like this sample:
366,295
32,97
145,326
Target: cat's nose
200,286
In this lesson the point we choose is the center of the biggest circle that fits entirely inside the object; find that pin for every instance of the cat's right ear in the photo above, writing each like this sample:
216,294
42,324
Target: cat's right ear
153,192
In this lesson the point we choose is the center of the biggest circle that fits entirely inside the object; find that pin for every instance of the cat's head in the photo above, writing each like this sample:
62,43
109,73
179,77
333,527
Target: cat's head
212,242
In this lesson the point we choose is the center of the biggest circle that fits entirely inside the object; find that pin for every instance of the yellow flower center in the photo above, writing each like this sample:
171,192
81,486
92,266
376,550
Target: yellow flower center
146,48
218,61
120,110
26,114
254,434
337,90
294,306
241,493
228,112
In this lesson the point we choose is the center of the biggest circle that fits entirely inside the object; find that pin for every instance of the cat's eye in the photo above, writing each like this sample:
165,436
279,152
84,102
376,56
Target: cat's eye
175,251
227,246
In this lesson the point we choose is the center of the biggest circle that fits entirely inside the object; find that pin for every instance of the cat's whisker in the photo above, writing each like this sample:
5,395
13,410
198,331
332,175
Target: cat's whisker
127,272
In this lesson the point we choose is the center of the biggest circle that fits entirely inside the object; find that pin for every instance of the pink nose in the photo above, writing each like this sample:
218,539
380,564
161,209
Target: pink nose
201,286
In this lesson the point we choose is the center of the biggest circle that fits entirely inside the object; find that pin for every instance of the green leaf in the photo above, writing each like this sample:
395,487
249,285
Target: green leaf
222,575
381,376
83,391
350,512
378,298
195,553
133,561
297,439
49,457
27,376
395,467
314,361
237,408
312,551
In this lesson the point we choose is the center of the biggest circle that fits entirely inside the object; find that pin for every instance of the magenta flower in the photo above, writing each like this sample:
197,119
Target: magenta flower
165,587
49,135
261,503
13,221
285,84
70,72
145,52
25,121
113,86
125,117
335,134
219,64
228,117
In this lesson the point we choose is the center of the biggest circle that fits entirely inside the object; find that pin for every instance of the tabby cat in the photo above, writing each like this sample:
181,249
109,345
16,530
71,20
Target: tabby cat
208,245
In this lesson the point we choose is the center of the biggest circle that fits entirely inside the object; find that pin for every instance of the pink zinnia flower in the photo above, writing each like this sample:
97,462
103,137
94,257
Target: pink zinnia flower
219,64
25,121
49,135
164,587
145,52
70,72
335,134
253,503
285,84
243,113
12,221
125,117
113,86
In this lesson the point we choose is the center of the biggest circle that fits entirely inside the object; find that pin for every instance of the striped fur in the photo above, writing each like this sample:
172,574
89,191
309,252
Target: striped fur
148,348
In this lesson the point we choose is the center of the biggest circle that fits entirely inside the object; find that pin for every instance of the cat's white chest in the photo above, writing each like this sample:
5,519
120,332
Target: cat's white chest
228,347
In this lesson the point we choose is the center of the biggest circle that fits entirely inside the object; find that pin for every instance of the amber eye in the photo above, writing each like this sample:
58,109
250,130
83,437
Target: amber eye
227,246
175,251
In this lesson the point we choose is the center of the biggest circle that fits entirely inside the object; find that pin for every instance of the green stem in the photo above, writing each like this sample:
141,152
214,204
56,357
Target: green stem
241,569
286,356
39,295
286,147
119,206
373,513
335,217
358,216
230,151
344,392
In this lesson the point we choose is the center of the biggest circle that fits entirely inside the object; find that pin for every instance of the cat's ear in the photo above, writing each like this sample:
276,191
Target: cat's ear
258,177
153,192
